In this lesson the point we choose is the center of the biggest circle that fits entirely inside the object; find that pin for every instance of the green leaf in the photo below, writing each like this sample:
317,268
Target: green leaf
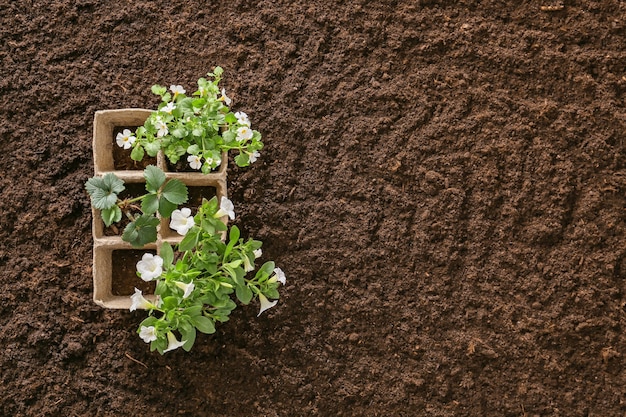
244,293
193,311
149,321
158,90
104,191
188,334
233,238
112,215
153,148
160,344
204,324
185,105
154,178
267,269
166,208
175,192
167,253
150,204
230,118
179,132
137,153
229,136
141,231
190,240
242,160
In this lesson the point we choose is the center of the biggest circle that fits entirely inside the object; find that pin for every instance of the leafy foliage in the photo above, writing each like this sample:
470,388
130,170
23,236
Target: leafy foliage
163,196
201,125
216,270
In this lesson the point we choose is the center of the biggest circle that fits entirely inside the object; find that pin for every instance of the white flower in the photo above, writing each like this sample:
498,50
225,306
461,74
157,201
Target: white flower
187,288
244,133
125,139
161,128
279,276
257,253
212,161
226,208
182,221
177,89
247,265
225,98
172,342
169,108
242,118
139,302
265,303
195,161
253,156
150,267
148,334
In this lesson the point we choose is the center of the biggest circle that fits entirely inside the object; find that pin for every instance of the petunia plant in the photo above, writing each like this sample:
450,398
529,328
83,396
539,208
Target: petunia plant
197,128
200,280
162,196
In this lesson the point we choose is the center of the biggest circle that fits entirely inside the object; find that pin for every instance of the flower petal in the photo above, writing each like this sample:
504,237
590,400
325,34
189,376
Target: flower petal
265,304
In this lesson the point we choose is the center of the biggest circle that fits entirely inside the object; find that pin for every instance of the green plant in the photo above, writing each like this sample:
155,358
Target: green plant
163,196
201,126
198,280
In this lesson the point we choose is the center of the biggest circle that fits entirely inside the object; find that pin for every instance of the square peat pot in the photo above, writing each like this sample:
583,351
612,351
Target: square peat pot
197,191
115,261
114,274
107,156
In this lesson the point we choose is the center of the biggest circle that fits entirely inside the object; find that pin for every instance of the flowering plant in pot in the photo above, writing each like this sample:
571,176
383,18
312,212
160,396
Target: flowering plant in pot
199,280
200,127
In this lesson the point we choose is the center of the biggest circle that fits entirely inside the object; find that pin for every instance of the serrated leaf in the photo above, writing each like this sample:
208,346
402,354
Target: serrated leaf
166,208
244,294
158,90
150,204
141,231
203,324
175,192
104,191
179,132
111,215
103,200
242,160
154,178
228,136
93,184
153,148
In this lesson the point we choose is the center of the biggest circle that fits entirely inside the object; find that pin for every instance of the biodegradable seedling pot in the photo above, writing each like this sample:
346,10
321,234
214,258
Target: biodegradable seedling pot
110,287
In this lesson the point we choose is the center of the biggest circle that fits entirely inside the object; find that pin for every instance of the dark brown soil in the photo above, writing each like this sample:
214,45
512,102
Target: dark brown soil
124,273
443,184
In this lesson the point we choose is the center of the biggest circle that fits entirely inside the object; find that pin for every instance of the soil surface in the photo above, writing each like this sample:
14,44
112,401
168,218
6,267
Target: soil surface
443,184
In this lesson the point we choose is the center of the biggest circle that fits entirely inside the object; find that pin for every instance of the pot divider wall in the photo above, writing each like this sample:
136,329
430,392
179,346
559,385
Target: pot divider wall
105,122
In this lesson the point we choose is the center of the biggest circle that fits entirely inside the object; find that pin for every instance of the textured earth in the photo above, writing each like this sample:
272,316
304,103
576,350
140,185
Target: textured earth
443,183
